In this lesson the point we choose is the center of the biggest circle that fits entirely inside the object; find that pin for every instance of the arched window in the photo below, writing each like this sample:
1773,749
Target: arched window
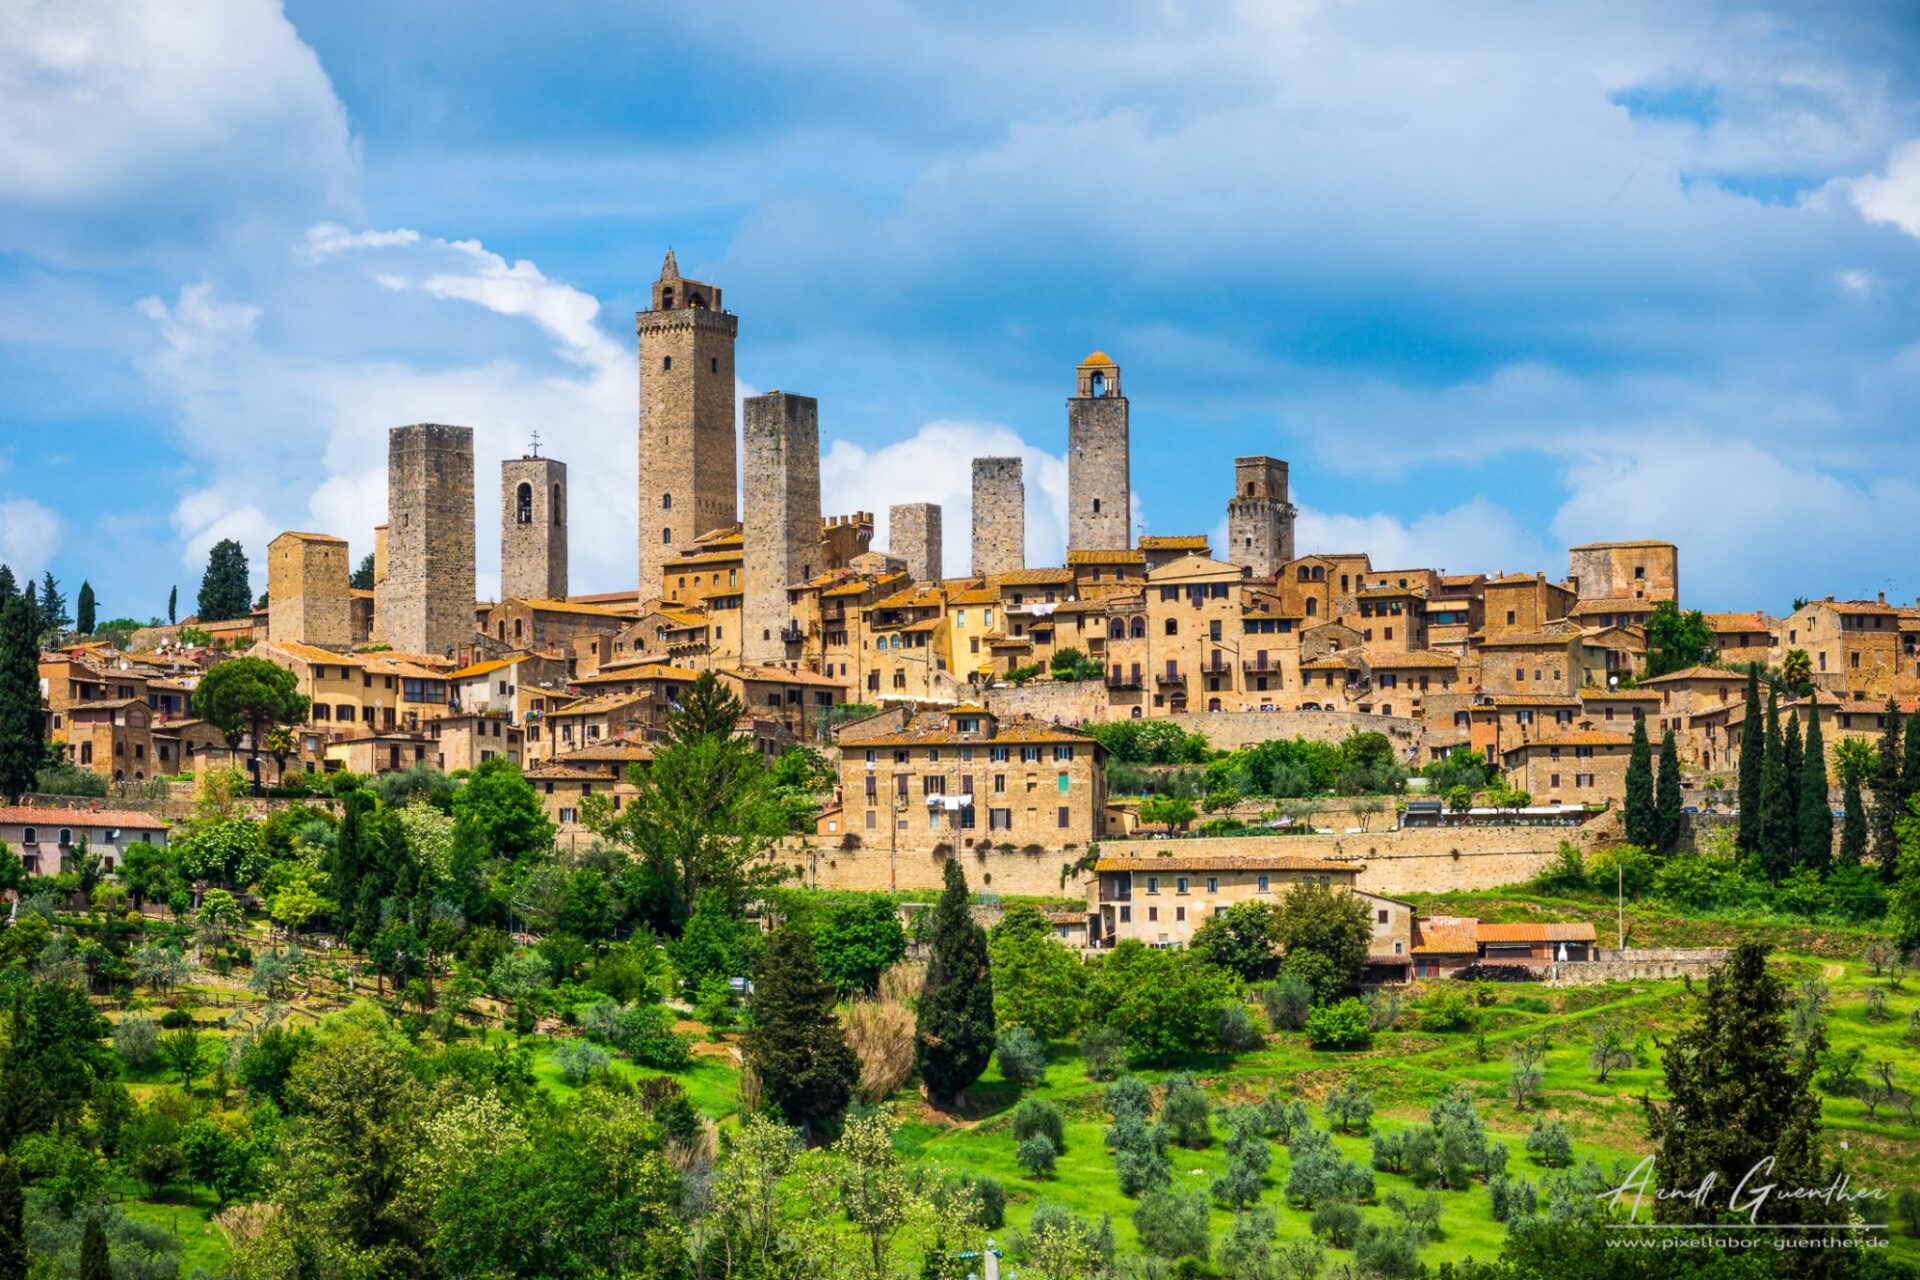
1313,606
517,632
695,300
1116,630
558,518
29,836
1136,713
523,504
1173,626
666,537
1139,628
1097,384
666,299
1213,704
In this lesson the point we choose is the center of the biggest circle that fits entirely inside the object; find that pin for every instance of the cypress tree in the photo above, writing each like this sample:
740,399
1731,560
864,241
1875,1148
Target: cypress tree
173,605
9,585
83,609
53,606
954,1029
795,1042
20,720
95,1263
1776,816
1739,1093
1816,810
1889,804
224,592
1643,825
1752,763
1791,767
1910,764
1853,826
1668,819
13,1223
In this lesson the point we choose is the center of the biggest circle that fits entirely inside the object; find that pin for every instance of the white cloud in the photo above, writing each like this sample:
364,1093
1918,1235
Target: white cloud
30,534
935,465
1893,195
1476,536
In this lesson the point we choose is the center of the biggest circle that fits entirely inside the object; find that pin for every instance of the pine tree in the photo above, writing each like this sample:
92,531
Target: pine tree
1792,766
795,1043
9,585
13,1224
1667,799
1853,826
362,579
53,608
20,721
954,1029
707,709
1775,836
1753,747
173,605
1643,825
95,1262
1738,1094
1889,801
1910,763
83,609
1816,810
224,593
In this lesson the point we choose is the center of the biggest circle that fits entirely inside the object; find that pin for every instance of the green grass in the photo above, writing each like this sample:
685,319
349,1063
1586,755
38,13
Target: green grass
190,1217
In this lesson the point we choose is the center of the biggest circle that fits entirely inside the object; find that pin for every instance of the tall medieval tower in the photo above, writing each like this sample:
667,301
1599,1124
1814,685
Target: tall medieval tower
533,528
1098,515
1259,517
425,604
999,516
782,529
688,464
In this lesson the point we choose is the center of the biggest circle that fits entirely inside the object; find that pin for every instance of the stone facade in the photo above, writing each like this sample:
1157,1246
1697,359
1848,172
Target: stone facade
913,534
782,527
688,468
425,605
307,594
533,529
1625,570
999,516
1098,477
1259,517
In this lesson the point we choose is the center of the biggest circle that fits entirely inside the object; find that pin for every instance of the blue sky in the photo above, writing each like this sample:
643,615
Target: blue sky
1495,278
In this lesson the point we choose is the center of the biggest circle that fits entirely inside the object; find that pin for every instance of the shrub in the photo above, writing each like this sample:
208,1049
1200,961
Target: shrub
1338,1221
1038,1116
1104,1050
580,1060
1139,1155
1185,1114
1390,1253
137,1039
1322,975
1340,1026
989,1199
1173,1224
1023,1059
1548,1142
1233,1028
647,1036
1349,1110
1286,1001
1129,1096
174,1019
1628,867
880,1033
1036,1155
1445,1009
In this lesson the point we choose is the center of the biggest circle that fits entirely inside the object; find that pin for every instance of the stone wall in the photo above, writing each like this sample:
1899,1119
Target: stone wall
533,536
1631,965
425,605
782,526
1098,479
913,535
828,866
307,596
999,516
1087,701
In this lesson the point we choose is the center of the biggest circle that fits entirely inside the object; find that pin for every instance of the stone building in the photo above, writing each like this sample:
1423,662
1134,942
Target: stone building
425,605
999,516
913,534
1098,478
1161,899
533,528
1856,648
688,469
782,526
308,598
1579,766
1259,517
1608,570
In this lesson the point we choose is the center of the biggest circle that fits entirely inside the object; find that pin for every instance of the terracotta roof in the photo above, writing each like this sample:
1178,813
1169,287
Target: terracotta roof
1610,546
558,772
1556,931
1857,606
487,668
42,816
1418,658
1579,738
616,751
1535,700
784,675
700,559
595,706
932,728
1275,861
1739,622
1100,359
973,595
641,671
1106,557
311,537
314,653
567,606
1614,604
1032,578
1451,939
1179,542
1618,695
914,597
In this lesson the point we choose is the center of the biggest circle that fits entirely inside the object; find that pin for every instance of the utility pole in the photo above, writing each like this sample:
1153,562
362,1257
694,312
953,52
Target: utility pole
1620,906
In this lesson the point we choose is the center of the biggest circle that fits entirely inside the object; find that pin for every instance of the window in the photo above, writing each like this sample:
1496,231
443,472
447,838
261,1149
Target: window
1180,885
1153,914
30,836
1065,819
1213,884
666,363
1382,915
1261,883
999,819
1065,784
1153,882
568,815
1063,753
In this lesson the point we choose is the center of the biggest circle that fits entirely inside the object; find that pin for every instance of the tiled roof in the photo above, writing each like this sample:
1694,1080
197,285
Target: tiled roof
700,559
784,675
1549,931
643,671
1106,557
1535,700
1451,939
1618,695
489,667
1612,546
599,705
932,728
1578,738
1181,542
311,537
1276,861
1032,578
41,816
1422,658
973,595
1739,622
1614,604
1098,359
567,606
1863,607
1525,640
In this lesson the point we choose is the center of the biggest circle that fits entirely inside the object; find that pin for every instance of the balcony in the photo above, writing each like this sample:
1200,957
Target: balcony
1168,679
1259,666
792,633
1123,680
1217,669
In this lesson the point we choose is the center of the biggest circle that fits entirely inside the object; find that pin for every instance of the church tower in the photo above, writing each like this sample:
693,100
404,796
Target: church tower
1259,517
688,464
1098,486
533,528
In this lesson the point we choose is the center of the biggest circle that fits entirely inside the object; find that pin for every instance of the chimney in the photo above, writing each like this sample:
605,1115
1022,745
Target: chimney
1881,597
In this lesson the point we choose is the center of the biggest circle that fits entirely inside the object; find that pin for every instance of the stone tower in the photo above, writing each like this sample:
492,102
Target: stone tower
782,527
307,593
999,516
426,602
1098,515
688,469
1259,517
533,528
913,534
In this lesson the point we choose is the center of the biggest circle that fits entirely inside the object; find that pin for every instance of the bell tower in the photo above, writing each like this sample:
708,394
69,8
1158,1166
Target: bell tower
1098,486
689,466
